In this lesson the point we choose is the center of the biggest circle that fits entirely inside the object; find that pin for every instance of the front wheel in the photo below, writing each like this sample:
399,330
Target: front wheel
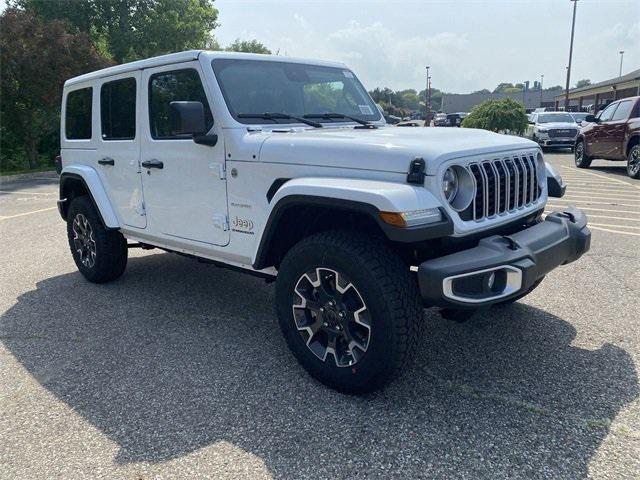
633,162
99,254
582,160
349,309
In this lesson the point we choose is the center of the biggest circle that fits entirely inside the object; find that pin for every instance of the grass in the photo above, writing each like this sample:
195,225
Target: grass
47,168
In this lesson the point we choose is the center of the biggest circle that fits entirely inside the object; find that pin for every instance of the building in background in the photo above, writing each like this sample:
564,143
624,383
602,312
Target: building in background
594,97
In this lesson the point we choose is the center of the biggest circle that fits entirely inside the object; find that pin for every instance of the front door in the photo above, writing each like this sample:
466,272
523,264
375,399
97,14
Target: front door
184,182
118,148
598,143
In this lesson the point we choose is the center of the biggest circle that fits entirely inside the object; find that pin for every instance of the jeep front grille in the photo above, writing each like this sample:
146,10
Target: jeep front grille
502,186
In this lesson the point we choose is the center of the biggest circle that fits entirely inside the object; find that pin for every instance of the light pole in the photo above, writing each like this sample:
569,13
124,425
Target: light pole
541,80
573,27
621,57
427,109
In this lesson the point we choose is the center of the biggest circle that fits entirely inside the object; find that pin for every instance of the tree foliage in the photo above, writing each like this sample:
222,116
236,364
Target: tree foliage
405,102
583,83
37,56
498,116
248,46
126,30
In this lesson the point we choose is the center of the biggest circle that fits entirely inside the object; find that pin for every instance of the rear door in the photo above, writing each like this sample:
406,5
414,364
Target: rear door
118,145
185,187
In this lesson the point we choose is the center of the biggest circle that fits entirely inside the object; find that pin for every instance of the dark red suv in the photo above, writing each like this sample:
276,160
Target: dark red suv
614,134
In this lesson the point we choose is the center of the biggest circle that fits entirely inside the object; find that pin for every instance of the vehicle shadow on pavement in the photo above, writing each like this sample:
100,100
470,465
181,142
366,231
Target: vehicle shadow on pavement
615,168
177,356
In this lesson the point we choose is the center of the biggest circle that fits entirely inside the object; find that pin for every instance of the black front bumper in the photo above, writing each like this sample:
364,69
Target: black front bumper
462,279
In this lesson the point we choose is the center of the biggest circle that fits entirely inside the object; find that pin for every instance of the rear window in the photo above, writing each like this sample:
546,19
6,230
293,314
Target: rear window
78,114
118,109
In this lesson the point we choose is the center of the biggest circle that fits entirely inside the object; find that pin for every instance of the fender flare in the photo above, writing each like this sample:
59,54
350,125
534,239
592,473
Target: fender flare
92,183
368,197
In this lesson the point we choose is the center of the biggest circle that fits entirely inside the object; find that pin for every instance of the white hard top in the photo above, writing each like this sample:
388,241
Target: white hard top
189,56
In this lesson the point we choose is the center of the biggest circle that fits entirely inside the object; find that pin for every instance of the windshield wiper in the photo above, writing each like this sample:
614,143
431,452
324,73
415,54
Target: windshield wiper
280,116
332,115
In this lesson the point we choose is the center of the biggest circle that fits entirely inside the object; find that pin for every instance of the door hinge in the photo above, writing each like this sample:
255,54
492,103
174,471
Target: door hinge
221,222
223,171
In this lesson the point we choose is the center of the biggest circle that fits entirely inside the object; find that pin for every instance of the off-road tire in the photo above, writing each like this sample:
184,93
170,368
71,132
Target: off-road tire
633,162
521,295
581,159
386,286
110,246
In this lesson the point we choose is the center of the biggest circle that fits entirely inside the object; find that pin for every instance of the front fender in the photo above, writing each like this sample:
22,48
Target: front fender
91,180
369,197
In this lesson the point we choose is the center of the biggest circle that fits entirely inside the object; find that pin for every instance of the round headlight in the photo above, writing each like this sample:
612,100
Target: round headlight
450,184
458,187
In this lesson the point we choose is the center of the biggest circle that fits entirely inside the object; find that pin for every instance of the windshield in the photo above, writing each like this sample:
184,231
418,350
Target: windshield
294,89
579,116
555,117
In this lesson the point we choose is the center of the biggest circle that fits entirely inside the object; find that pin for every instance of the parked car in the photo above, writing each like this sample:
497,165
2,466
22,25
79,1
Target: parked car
614,134
233,159
411,123
440,120
552,129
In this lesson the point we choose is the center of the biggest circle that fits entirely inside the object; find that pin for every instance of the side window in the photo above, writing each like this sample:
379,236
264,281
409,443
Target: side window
622,112
77,122
607,113
167,87
118,109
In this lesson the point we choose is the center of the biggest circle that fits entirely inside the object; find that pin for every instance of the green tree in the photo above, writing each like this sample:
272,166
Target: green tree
583,83
37,56
128,30
502,87
498,116
248,46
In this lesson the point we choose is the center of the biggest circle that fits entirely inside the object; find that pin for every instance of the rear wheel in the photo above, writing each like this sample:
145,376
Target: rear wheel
99,254
633,162
582,160
349,310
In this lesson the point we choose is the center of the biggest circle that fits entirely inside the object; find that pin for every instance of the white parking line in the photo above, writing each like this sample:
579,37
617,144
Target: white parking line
571,195
610,225
593,209
591,215
615,180
588,202
614,231
601,192
27,213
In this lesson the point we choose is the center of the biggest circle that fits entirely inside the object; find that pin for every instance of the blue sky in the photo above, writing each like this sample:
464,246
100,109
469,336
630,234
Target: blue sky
470,44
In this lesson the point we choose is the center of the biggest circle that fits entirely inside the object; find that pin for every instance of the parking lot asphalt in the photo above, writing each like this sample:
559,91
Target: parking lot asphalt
178,369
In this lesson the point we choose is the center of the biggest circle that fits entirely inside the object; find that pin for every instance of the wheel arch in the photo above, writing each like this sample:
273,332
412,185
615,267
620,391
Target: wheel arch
633,140
334,204
83,180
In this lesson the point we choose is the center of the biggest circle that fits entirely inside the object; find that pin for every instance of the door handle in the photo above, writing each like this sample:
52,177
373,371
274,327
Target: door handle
106,161
153,163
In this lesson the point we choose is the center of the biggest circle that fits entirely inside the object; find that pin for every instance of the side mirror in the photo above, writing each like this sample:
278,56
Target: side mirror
186,118
591,119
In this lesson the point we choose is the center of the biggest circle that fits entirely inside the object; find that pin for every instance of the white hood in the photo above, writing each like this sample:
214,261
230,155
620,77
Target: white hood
387,148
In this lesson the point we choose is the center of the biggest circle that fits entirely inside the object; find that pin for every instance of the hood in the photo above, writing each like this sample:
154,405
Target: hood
388,149
558,125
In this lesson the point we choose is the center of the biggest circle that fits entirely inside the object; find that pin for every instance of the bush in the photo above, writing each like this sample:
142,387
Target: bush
498,116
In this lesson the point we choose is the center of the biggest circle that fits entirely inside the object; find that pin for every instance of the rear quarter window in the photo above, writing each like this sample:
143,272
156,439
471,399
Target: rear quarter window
78,114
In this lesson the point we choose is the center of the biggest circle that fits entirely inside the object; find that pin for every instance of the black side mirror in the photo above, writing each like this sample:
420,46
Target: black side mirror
186,118
591,119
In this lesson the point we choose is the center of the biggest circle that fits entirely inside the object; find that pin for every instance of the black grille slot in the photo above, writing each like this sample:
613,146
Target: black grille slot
502,186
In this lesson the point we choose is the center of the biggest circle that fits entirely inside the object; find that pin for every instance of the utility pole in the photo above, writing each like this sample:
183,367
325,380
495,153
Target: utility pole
573,27
541,80
621,57
427,106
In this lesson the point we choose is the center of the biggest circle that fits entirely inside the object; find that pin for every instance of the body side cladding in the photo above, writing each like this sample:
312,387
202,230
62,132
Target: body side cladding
275,186
91,183
393,233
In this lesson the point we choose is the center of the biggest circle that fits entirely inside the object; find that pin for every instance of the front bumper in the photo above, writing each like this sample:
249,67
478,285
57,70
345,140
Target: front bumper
556,142
502,267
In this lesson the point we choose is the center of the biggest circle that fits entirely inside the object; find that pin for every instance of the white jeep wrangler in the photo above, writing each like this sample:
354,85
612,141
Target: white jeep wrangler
285,169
